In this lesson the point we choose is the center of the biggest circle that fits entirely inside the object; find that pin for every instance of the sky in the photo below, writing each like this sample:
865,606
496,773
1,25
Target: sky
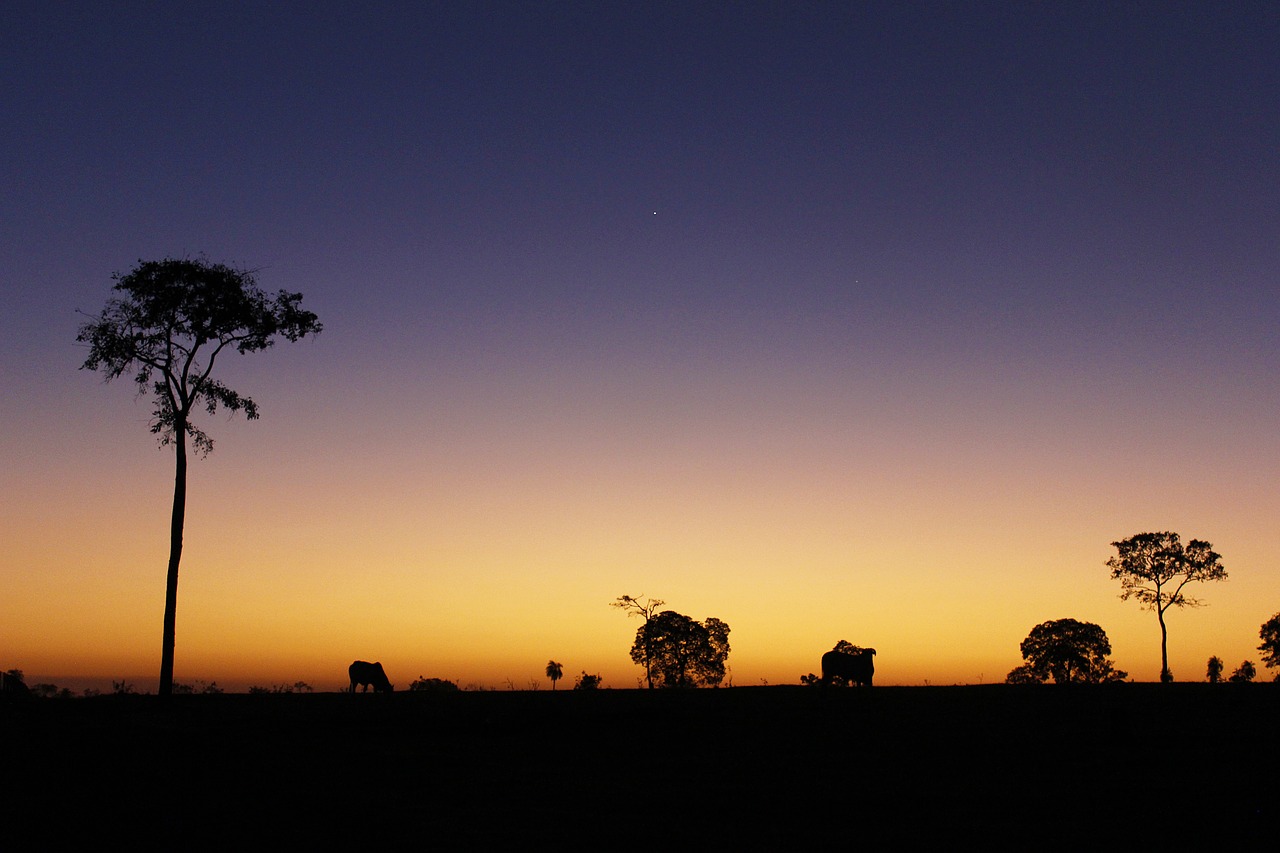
864,321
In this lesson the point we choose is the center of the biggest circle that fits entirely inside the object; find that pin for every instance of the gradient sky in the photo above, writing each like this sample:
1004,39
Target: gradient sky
861,321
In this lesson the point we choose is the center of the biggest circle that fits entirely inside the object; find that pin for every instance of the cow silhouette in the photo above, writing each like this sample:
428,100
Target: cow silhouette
368,674
855,669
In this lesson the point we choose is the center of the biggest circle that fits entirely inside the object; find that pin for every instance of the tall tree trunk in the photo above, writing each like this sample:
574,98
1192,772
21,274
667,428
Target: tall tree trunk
1165,675
175,557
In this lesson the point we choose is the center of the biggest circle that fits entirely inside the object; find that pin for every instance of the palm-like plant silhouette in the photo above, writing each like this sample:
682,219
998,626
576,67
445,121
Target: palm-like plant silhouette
554,671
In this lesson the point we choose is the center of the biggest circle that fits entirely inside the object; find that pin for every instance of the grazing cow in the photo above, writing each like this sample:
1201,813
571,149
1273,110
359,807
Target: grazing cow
365,673
855,669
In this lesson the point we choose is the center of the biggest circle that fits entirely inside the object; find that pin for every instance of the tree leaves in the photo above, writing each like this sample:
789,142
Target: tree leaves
681,652
172,321
1067,651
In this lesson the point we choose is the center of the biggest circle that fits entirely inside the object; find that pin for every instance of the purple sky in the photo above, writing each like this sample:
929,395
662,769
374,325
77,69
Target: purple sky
1052,225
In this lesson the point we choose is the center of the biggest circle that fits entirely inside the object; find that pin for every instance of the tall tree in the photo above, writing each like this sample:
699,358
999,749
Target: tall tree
168,325
647,609
1155,567
1270,636
554,671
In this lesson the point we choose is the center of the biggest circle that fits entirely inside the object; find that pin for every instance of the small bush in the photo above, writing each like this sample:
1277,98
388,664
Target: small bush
432,685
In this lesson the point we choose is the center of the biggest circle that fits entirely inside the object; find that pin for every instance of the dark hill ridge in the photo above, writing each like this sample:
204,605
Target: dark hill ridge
1036,767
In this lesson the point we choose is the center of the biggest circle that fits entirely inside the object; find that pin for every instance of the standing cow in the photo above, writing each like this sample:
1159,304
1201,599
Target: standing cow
855,669
365,673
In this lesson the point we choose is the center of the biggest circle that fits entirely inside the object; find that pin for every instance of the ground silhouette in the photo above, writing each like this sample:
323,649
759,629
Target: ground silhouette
1009,767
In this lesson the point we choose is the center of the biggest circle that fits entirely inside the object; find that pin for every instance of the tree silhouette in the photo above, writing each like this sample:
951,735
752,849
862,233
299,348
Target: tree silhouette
170,323
1244,673
1067,651
1022,674
1270,647
633,606
1154,568
679,652
1214,670
554,671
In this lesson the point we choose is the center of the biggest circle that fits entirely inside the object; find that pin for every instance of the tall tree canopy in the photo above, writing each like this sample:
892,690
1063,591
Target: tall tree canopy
646,609
1270,636
680,652
554,671
1155,567
168,325
1067,651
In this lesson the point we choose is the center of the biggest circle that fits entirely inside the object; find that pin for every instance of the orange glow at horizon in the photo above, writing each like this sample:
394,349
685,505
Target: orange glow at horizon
478,557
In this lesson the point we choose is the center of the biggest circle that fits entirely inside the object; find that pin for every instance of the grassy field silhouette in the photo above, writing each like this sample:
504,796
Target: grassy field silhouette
1035,767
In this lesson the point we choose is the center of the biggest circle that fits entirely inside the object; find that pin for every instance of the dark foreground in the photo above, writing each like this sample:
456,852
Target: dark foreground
998,767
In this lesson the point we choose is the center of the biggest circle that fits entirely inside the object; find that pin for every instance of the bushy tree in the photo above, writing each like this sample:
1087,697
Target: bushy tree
1067,651
51,691
1155,567
586,681
680,652
432,685
1214,670
1270,647
168,326
1244,673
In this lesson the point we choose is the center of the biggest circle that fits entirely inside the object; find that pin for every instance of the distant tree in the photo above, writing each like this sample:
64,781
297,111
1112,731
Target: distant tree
1270,648
587,682
1214,671
1154,568
171,322
13,684
200,687
554,672
1068,651
646,609
1244,673
433,685
679,652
